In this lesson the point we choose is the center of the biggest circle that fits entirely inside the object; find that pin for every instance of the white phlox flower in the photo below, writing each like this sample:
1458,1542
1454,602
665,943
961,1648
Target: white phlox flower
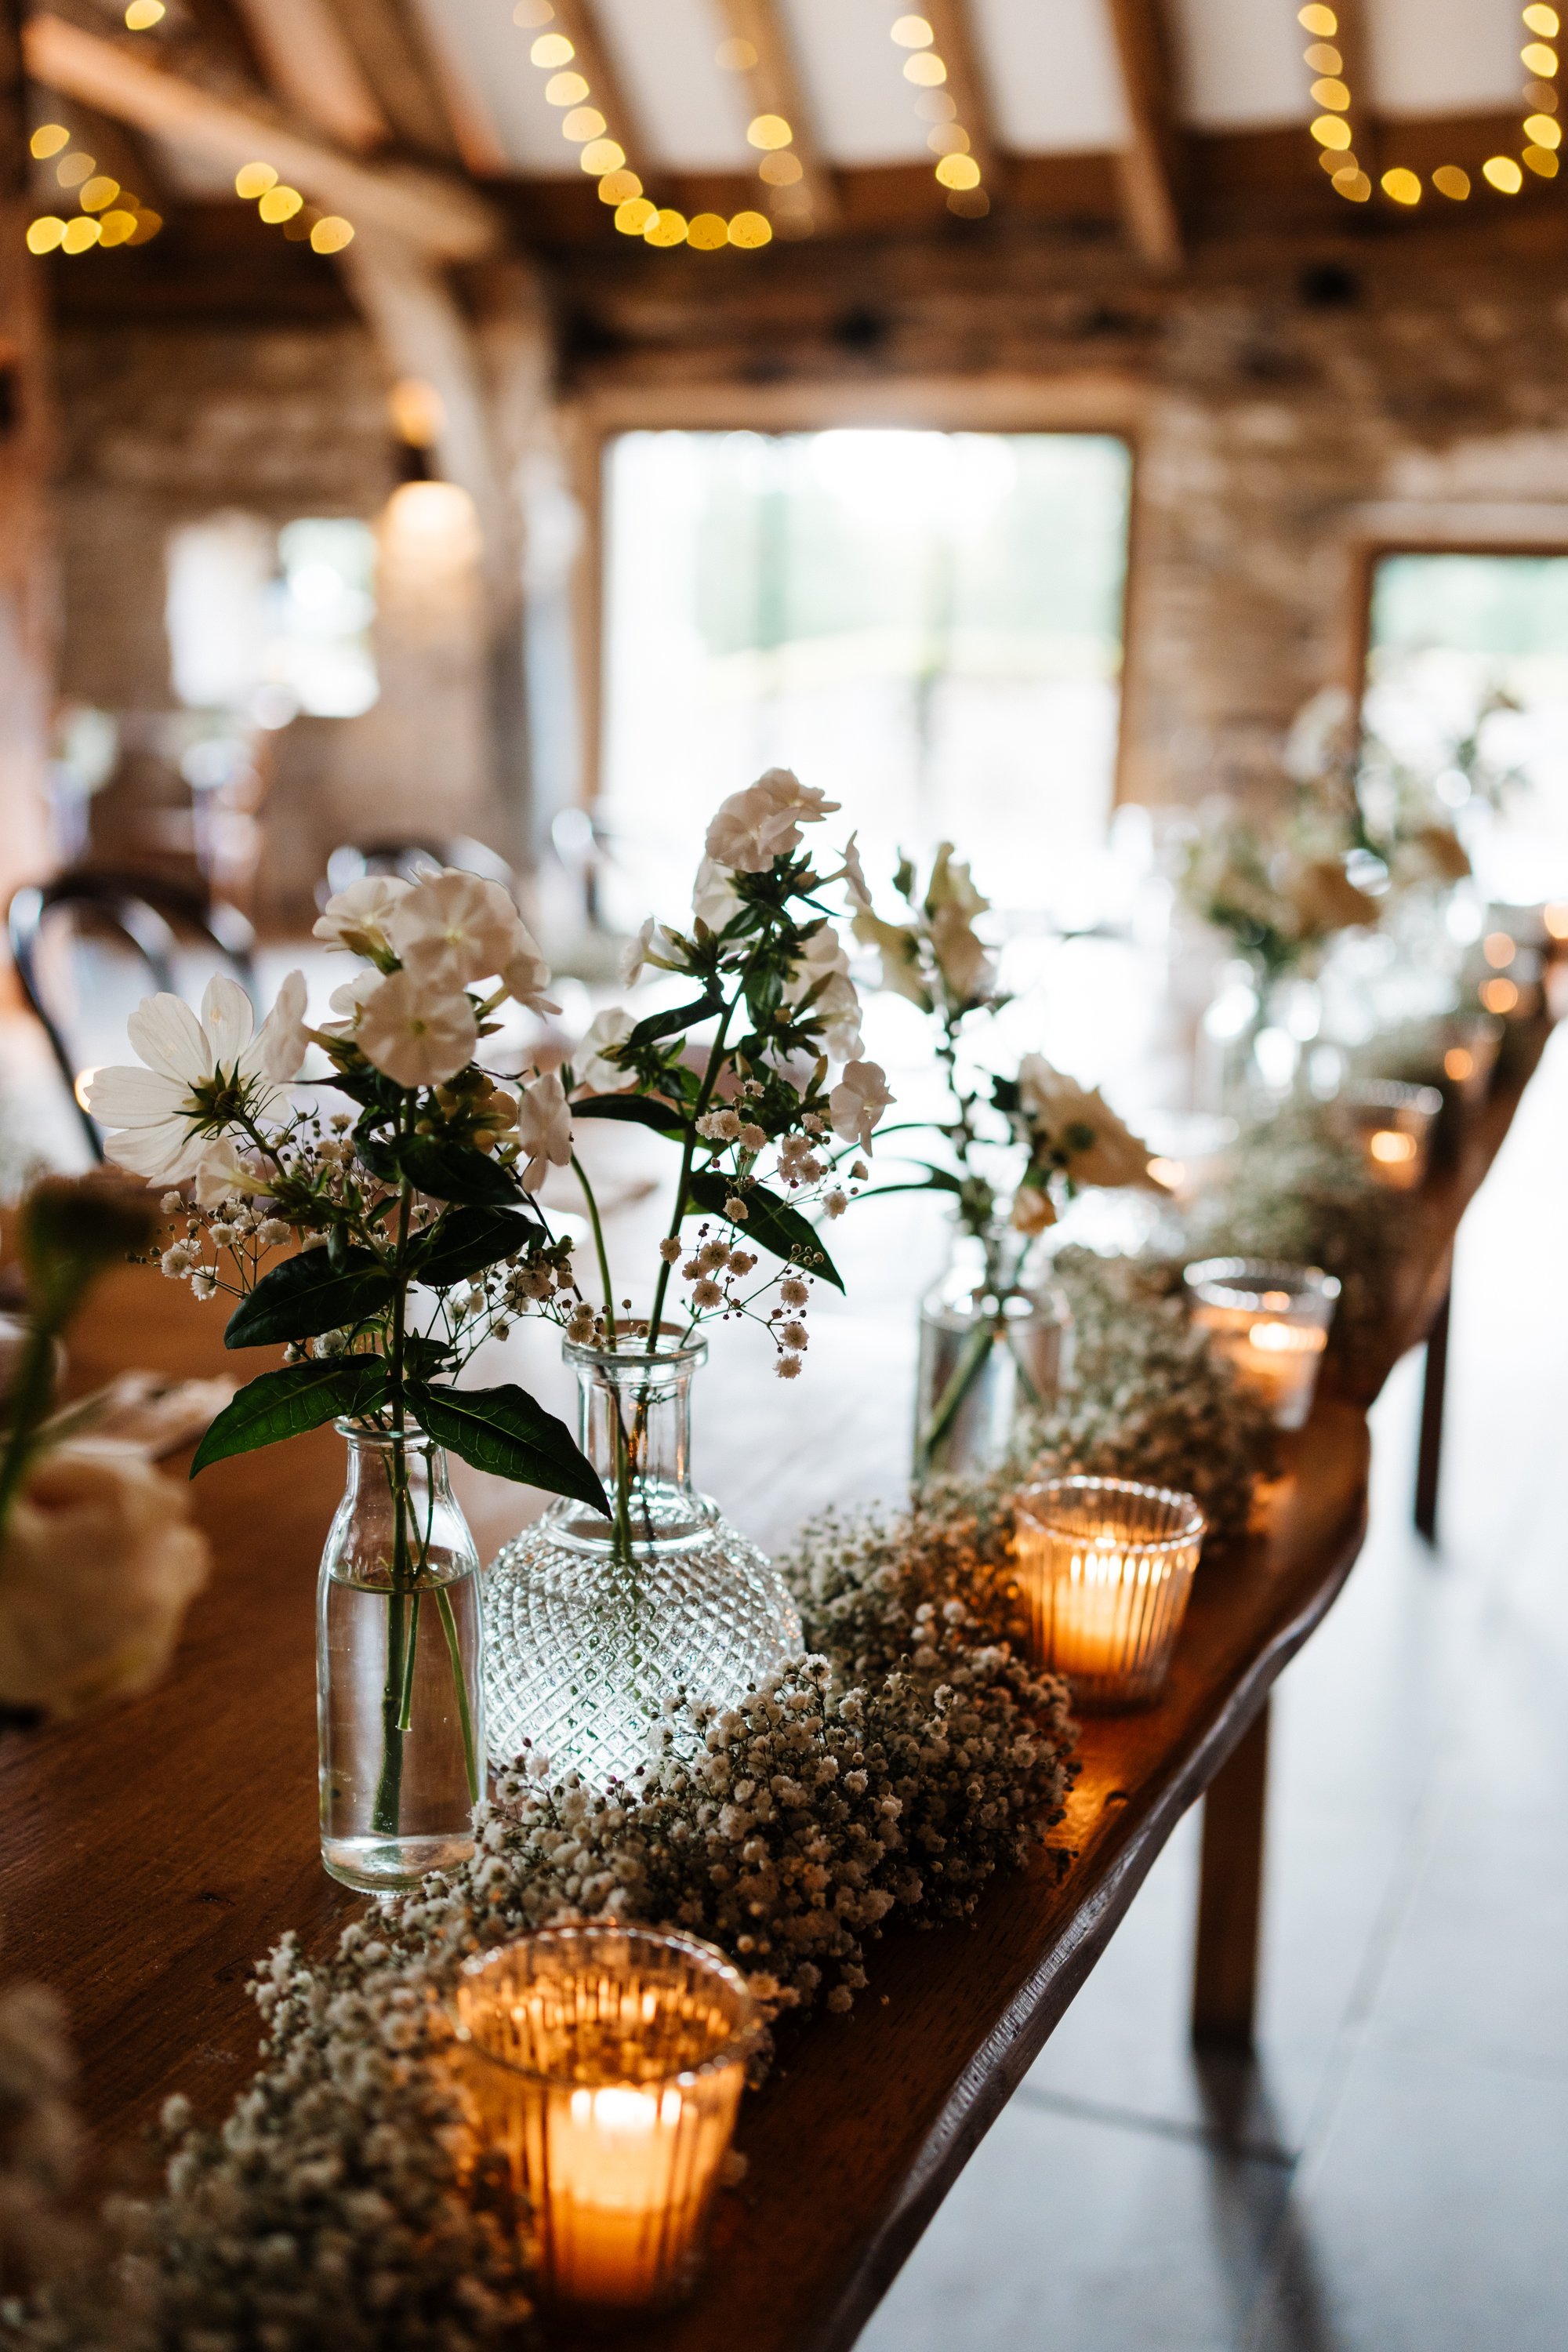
419,1034
854,875
544,1129
457,927
652,945
714,897
527,975
594,1075
838,1007
348,999
356,918
285,1040
754,826
1074,1121
898,944
201,1075
857,1102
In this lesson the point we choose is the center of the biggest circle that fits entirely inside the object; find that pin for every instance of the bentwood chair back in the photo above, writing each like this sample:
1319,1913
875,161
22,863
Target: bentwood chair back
162,926
410,859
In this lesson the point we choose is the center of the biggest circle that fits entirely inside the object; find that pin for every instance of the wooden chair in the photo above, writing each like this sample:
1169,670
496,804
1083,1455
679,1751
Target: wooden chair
410,860
149,915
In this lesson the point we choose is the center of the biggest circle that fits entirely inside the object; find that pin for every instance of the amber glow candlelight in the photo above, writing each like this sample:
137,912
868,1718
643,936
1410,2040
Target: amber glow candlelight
1106,1565
606,2065
1394,1124
1272,1321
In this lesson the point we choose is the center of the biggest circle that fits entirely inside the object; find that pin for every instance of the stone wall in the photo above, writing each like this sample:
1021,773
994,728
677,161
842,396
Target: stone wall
1291,408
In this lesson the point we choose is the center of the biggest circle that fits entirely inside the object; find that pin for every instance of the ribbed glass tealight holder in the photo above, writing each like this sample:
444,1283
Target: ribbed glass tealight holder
1107,1565
605,2065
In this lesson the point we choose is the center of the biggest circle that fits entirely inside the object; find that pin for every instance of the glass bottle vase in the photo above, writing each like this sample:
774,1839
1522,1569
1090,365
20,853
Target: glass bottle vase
399,1699
593,1625
995,1342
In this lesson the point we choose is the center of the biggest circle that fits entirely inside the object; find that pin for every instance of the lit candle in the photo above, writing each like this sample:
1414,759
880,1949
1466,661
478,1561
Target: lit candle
1394,1124
607,2066
1106,1567
1272,1321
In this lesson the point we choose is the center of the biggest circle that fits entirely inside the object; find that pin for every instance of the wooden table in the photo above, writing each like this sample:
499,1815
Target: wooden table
153,1853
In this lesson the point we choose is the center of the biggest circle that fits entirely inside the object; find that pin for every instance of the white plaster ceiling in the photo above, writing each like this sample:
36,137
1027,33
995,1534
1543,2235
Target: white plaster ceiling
1050,66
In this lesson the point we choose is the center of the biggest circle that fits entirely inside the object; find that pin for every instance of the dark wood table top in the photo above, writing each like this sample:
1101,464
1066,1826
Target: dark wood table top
151,1854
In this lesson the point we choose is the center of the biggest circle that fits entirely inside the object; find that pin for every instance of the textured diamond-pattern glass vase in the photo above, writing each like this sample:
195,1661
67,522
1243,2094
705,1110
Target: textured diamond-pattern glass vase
592,1624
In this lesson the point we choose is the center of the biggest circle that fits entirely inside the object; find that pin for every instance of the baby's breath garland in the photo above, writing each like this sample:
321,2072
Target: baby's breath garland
889,1775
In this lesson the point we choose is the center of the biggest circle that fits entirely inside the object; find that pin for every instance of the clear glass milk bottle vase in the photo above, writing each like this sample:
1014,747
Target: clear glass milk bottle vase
399,1703
995,1343
596,1626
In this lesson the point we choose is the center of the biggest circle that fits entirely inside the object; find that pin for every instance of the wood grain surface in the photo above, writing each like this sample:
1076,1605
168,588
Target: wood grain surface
151,1855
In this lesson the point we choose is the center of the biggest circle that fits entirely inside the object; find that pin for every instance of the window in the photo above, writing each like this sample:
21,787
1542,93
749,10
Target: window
926,625
264,624
1473,649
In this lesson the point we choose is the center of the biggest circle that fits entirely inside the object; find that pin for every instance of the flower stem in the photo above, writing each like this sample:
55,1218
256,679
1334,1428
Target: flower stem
599,1250
459,1684
387,1805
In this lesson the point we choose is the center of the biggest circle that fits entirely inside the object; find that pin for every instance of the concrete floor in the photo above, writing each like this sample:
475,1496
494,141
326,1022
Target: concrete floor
1392,2175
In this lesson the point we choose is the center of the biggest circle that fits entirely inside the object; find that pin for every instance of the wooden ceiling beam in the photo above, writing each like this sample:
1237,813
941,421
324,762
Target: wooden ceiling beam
953,22
774,85
307,59
394,60
1148,167
605,88
438,217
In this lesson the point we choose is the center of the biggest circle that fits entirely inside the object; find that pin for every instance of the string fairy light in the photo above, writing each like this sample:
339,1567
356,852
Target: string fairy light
1331,94
108,214
283,208
956,170
662,227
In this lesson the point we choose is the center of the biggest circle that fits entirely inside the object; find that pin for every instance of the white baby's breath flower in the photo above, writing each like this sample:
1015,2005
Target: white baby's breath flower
202,1075
272,1233
593,1073
736,1209
753,1136
356,918
171,1205
835,1202
857,1102
177,1261
754,826
419,1034
670,1248
706,1293
792,1291
788,1367
794,1335
544,1129
743,1261
203,1284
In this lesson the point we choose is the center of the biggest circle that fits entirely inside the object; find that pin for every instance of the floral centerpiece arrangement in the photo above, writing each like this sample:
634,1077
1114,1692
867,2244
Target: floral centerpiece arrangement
380,1246
1012,1152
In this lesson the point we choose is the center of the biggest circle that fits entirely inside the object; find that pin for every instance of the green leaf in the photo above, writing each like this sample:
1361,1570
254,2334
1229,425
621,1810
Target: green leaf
935,1179
465,1241
667,1024
506,1431
284,1404
423,1357
641,1110
453,1171
308,1294
769,1222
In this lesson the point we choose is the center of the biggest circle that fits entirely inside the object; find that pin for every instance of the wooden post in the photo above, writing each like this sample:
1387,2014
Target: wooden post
1230,1894
1429,1448
27,631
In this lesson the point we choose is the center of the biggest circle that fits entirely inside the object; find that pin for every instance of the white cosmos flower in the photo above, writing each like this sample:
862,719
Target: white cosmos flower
593,1073
202,1075
754,827
545,1129
1075,1122
356,918
285,1039
419,1034
857,1102
457,927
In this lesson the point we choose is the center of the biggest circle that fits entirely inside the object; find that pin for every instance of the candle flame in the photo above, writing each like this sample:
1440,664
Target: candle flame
1288,1339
